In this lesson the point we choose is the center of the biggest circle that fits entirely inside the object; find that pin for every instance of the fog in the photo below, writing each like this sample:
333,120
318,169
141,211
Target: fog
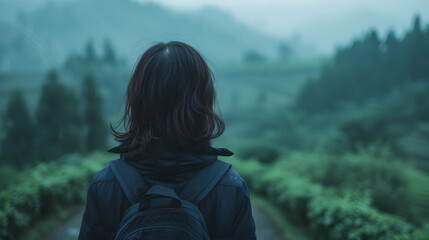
323,23
325,105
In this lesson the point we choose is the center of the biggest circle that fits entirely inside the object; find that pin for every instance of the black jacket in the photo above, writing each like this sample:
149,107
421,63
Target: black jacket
226,210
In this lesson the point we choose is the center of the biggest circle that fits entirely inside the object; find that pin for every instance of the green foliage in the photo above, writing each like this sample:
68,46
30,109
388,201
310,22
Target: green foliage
381,176
349,218
363,131
3,224
265,153
384,122
94,122
327,213
57,120
392,185
368,69
17,143
247,168
8,175
45,189
281,133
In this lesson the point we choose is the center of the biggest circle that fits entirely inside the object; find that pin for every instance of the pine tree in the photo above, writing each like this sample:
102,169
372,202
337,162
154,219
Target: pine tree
58,123
369,69
90,51
16,146
96,128
109,53
417,26
254,57
285,52
416,55
393,71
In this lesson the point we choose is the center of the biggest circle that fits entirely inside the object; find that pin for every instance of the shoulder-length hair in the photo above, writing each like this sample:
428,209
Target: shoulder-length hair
170,97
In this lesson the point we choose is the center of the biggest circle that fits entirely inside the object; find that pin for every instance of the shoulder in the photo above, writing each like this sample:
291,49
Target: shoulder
225,205
230,191
104,184
105,175
232,181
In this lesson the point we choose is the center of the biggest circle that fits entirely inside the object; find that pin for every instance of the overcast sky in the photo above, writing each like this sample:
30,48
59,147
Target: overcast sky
325,23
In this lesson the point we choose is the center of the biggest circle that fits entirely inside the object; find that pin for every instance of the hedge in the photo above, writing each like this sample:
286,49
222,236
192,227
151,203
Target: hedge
325,212
46,189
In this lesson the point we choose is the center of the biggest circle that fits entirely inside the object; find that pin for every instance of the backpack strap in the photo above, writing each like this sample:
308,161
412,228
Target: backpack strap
132,183
204,181
134,186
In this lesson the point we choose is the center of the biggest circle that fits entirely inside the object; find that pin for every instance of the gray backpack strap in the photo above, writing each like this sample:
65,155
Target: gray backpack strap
204,181
132,183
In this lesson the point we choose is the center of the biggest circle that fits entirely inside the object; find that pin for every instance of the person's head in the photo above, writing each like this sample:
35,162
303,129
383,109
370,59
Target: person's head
170,97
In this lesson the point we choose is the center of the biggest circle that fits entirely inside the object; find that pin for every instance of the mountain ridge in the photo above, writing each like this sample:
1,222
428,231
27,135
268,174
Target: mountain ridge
132,26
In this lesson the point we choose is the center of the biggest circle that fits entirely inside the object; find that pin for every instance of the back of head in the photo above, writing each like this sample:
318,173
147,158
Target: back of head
170,97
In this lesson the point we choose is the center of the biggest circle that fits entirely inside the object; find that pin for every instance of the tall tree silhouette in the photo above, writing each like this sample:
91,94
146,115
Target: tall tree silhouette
90,51
57,119
285,52
369,69
416,53
109,53
95,125
17,144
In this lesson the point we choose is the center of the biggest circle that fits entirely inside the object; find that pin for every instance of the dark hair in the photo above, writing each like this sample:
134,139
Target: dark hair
170,97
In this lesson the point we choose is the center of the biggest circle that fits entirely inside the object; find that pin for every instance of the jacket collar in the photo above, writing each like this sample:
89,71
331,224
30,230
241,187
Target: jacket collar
171,166
125,154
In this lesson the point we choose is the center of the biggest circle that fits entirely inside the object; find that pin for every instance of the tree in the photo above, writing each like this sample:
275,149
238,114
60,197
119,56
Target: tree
109,53
96,128
393,68
254,57
57,120
19,132
416,52
285,52
90,51
417,26
369,69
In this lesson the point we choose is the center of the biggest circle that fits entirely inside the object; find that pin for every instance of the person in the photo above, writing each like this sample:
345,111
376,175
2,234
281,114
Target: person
167,128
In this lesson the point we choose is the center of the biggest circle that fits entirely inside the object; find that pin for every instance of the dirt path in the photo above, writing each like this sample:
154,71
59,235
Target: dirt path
70,229
265,229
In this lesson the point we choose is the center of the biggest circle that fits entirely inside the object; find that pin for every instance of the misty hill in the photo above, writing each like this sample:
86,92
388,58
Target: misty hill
57,29
369,69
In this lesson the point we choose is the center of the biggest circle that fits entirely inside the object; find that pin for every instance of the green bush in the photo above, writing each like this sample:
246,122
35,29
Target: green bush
8,175
327,213
3,224
383,179
375,171
46,189
345,218
265,153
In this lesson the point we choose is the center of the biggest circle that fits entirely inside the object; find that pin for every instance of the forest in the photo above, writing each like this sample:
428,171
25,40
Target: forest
338,145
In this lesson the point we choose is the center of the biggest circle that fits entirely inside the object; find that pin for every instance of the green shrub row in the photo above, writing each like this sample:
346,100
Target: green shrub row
387,180
46,189
327,213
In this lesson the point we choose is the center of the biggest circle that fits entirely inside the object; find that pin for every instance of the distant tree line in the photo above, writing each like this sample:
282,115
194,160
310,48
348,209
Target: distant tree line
90,59
61,123
369,69
284,51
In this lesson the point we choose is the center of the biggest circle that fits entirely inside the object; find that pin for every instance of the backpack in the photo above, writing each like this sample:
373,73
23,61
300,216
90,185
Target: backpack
157,212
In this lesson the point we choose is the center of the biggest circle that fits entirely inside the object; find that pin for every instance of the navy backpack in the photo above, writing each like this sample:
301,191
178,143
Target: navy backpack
157,212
